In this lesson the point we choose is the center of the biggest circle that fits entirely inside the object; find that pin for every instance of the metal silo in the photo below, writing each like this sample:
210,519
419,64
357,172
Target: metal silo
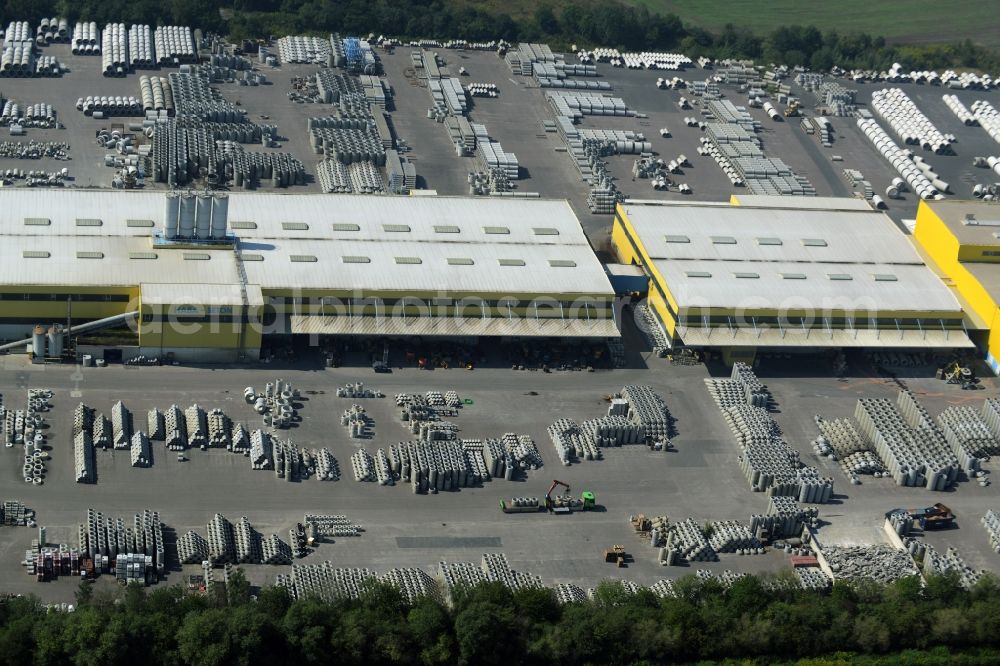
220,215
38,341
203,216
55,341
186,220
171,215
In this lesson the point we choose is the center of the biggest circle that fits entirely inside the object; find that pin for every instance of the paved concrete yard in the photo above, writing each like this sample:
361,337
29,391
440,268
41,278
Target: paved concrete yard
700,478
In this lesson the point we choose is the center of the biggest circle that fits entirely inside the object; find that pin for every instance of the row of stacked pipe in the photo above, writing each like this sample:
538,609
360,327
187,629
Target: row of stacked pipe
770,464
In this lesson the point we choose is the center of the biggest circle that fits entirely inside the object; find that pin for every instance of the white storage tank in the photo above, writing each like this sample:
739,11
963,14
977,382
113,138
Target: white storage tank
220,215
203,216
171,215
38,341
55,341
185,227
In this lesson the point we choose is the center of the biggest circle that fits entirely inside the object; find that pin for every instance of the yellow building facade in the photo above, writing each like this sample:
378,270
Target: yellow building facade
961,240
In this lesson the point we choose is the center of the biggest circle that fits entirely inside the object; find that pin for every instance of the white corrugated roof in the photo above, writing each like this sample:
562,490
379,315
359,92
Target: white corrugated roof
303,239
807,286
738,257
849,236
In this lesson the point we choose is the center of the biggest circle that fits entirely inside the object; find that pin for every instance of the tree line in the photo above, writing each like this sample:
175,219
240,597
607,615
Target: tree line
585,22
753,620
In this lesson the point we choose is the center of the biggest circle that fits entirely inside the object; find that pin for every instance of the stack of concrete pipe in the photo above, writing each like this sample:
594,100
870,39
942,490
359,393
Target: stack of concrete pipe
358,390
991,521
324,581
914,456
121,422
18,31
274,551
261,450
86,39
327,468
302,49
192,548
648,410
813,578
51,30
141,453
17,59
960,110
173,44
175,429
332,525
333,177
240,441
83,457
971,440
730,536
196,426
363,465
154,424
141,53
686,541
247,546
365,178
988,117
155,93
221,540
950,563
916,177
356,420
413,583
114,50
109,105
103,432
912,126
570,442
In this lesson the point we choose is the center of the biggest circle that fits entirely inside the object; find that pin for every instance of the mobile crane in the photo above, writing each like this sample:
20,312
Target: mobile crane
566,504
553,504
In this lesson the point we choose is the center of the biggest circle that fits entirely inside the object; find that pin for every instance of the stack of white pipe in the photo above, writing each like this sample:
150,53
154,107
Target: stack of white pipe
18,31
899,159
908,122
988,117
114,50
85,39
960,110
173,42
140,46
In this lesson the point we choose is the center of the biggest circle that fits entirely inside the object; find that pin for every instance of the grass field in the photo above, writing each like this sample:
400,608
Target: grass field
915,21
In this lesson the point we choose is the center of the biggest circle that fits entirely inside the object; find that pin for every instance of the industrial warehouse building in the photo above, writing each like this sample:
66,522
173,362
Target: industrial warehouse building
206,277
757,274
962,240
